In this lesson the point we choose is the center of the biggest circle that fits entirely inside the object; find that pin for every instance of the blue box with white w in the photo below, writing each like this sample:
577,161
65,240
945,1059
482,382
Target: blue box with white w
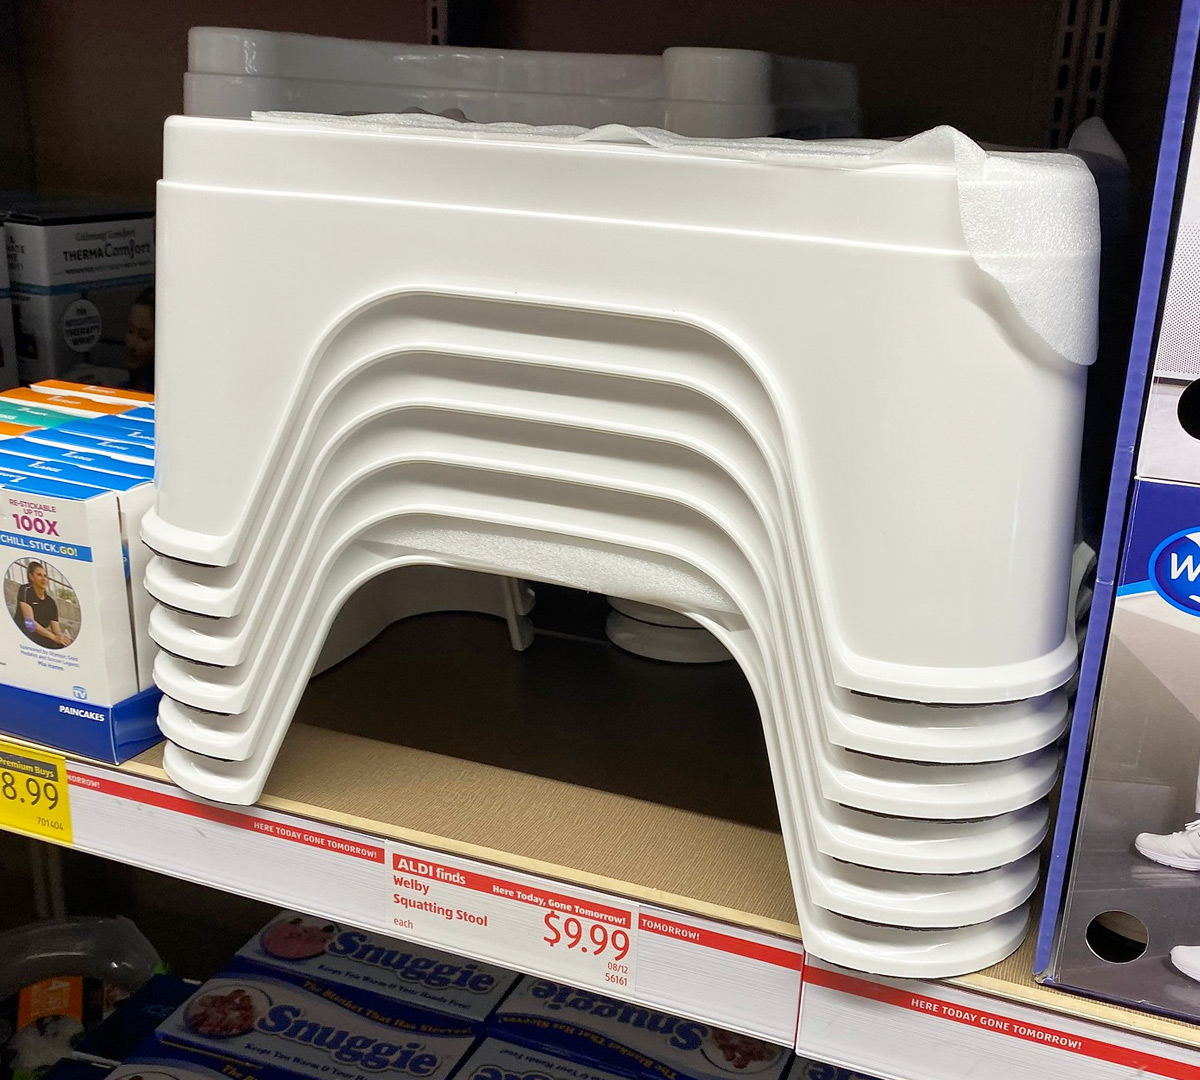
1129,929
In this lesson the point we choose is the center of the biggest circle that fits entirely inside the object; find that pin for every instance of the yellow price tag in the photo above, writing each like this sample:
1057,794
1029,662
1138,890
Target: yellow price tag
33,793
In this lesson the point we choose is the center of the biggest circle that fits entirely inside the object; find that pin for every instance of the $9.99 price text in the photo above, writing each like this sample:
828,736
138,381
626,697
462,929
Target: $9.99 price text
609,944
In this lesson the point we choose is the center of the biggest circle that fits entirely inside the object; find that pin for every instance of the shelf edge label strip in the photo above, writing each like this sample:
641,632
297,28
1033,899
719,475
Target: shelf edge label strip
1122,1056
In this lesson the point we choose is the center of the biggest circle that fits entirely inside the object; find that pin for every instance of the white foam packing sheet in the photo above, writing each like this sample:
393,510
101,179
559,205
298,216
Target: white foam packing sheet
885,786
893,729
762,522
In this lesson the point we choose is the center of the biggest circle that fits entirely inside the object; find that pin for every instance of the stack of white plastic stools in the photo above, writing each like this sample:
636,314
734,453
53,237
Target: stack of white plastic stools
825,400
726,93
701,92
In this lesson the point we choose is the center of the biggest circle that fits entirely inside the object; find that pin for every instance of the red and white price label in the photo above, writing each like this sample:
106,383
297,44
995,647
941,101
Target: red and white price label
564,933
580,934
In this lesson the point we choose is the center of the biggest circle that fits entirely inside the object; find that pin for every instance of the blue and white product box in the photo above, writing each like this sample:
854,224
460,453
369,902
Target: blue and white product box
75,651
1122,911
1129,927
317,1029
70,437
124,428
154,1060
82,277
302,945
627,1040
84,456
8,337
127,436
135,403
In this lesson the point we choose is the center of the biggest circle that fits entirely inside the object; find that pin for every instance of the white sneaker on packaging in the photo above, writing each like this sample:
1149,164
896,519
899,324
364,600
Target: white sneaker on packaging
1179,849
1187,959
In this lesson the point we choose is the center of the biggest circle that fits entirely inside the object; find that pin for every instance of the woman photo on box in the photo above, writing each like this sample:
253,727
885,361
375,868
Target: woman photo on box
35,610
139,341
135,369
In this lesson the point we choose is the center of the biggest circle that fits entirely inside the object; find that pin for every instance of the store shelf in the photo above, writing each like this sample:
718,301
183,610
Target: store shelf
642,851
707,895
740,968
328,843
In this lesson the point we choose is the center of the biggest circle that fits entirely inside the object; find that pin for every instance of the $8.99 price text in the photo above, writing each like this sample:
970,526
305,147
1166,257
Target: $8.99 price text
33,792
609,944
32,796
